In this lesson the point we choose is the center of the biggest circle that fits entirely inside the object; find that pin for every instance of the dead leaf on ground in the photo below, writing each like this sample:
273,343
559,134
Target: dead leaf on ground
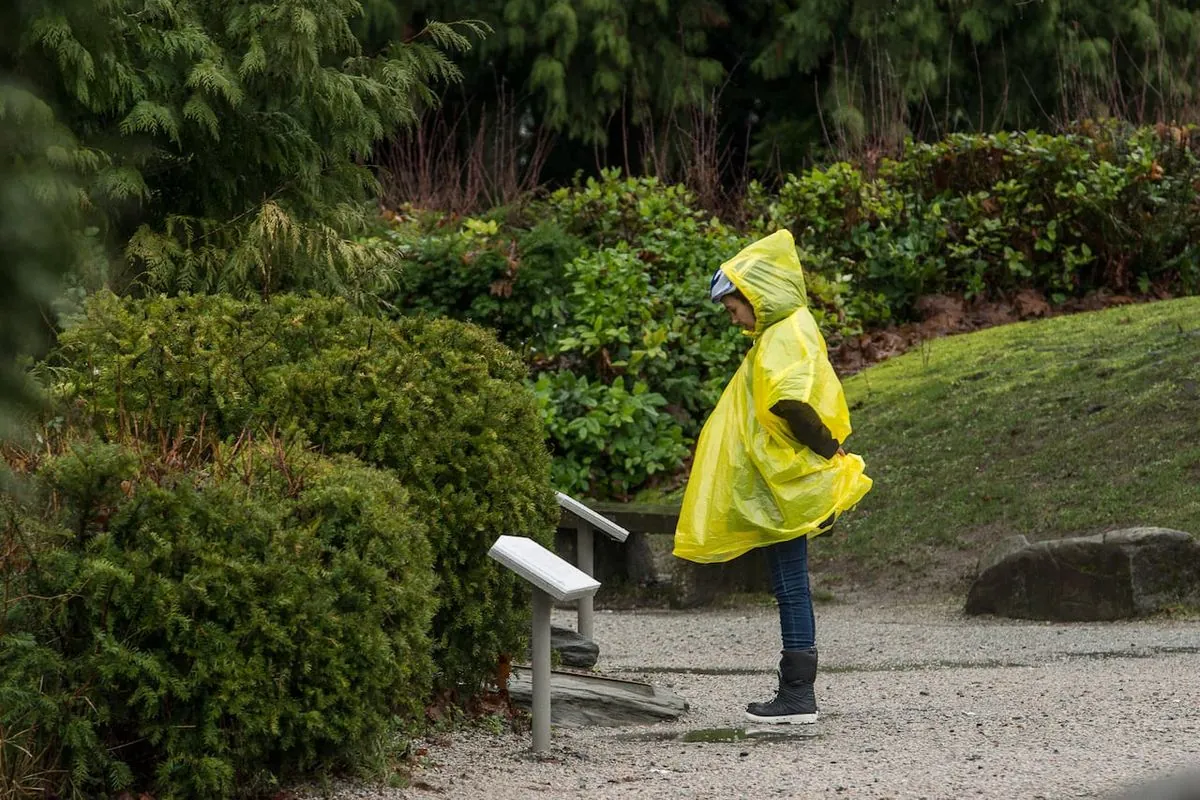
1031,303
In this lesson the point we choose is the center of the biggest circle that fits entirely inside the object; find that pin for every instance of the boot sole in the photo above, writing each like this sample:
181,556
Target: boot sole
783,719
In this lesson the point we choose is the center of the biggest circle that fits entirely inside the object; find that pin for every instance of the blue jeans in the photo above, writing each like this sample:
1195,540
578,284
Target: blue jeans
789,579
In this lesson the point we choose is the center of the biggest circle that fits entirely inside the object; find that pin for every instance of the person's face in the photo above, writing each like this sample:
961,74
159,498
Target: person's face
741,313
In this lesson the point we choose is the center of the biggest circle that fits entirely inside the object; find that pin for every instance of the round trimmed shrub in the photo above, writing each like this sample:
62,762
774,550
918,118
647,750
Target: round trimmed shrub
199,628
440,404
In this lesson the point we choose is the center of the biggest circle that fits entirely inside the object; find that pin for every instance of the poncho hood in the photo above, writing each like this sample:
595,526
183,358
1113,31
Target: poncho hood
769,274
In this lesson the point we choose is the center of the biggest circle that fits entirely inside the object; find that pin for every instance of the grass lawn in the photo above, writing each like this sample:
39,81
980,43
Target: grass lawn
1065,426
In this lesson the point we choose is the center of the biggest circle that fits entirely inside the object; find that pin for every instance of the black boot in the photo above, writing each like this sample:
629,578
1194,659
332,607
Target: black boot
796,701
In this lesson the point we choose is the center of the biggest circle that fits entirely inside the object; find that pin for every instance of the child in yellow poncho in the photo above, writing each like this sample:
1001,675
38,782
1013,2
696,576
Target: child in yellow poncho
769,469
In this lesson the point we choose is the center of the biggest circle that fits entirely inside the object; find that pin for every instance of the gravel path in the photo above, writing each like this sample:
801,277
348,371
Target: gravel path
916,703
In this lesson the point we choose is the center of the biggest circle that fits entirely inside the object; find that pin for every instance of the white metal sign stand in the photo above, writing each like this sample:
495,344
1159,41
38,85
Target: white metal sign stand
585,554
552,579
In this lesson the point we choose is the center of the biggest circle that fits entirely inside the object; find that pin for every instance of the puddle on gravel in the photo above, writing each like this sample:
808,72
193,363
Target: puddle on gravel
783,733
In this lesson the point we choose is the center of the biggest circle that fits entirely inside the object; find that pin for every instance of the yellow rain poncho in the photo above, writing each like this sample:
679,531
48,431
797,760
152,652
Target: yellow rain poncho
752,484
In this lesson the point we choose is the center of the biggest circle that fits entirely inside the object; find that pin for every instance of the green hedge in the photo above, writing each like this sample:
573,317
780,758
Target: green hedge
1109,208
439,404
627,353
602,287
200,626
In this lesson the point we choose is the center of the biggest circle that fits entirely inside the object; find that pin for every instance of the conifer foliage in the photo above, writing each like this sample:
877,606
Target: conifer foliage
581,67
793,80
40,201
203,621
229,136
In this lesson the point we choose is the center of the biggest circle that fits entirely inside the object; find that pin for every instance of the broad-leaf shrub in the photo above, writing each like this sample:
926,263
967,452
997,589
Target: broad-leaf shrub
607,438
628,352
440,404
648,354
196,626
610,209
1109,207
607,298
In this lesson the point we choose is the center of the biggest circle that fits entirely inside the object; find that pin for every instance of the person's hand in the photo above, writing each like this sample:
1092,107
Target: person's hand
841,452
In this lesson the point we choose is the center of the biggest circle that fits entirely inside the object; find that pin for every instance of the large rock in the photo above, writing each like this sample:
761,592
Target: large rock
1115,575
1000,551
595,700
573,650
